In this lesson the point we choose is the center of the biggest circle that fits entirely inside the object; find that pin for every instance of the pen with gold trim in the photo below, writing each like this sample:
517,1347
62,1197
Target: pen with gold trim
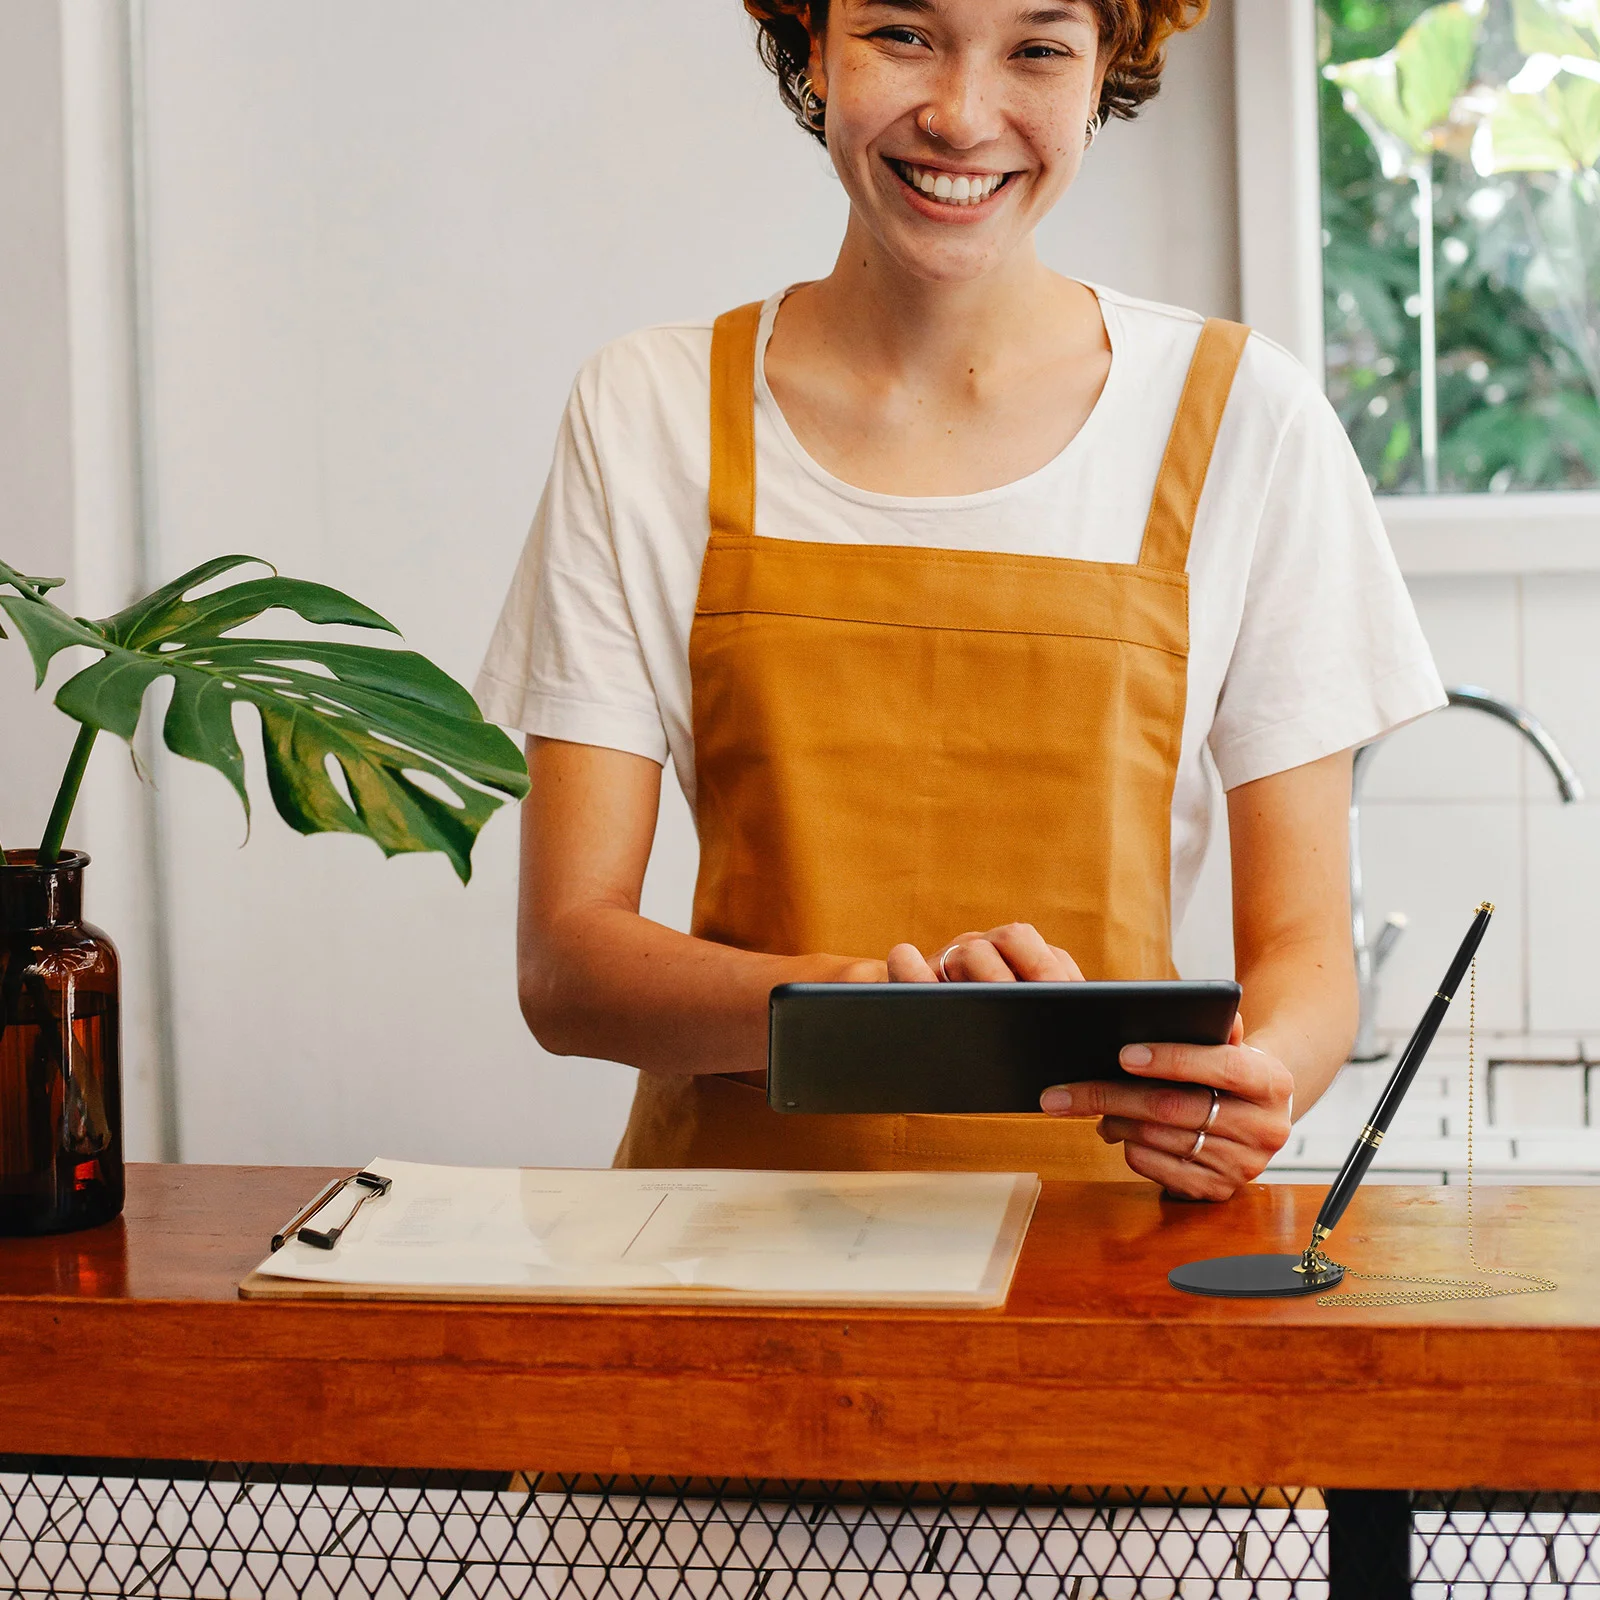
1371,1136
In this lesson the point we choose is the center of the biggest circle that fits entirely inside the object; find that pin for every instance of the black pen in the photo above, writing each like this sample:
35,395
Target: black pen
1371,1136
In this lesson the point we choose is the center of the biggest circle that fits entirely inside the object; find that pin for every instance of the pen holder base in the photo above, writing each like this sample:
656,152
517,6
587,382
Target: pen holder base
1252,1277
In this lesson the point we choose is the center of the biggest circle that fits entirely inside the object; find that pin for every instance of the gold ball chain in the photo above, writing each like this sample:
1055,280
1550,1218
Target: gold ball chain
1444,1289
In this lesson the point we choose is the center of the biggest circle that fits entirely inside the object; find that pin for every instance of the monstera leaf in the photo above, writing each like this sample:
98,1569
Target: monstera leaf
357,740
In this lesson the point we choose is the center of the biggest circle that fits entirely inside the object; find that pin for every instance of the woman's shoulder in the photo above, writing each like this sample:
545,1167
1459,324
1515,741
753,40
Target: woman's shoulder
658,365
1162,338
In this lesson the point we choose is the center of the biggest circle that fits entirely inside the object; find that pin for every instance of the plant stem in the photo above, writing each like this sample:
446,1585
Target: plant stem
1428,330
55,830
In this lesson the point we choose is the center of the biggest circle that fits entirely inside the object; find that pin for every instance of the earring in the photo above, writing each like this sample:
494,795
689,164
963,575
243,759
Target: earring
1096,123
813,108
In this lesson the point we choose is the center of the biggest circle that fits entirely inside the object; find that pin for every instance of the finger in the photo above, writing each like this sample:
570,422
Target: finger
942,961
1238,1122
1072,972
1177,1105
1234,1069
1027,954
1226,1155
1236,1032
908,965
1186,1179
977,961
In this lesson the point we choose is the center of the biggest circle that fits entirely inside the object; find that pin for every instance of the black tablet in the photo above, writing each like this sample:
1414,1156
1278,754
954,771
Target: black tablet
970,1047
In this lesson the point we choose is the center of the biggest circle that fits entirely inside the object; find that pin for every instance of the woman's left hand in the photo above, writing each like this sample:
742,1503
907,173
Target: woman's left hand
1238,1097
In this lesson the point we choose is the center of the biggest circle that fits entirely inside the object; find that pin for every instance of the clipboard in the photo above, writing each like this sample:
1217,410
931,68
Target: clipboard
680,1237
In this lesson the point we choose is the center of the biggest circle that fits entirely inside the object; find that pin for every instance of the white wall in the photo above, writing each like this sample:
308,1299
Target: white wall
383,235
35,391
68,463
1460,809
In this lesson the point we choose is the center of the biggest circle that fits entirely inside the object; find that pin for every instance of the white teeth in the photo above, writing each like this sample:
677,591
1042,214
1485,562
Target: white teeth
955,191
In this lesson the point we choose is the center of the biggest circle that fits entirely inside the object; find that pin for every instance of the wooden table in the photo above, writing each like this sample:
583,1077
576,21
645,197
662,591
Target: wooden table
129,1341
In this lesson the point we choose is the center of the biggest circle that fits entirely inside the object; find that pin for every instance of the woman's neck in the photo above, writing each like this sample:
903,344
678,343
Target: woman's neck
905,387
907,329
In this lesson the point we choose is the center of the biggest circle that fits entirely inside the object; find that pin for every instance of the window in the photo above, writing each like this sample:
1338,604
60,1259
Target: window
1460,204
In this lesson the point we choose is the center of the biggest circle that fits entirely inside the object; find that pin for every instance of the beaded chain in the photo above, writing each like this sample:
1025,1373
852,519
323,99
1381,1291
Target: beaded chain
1442,1289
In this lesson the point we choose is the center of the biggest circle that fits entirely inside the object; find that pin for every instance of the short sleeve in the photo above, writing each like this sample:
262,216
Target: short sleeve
565,660
1329,652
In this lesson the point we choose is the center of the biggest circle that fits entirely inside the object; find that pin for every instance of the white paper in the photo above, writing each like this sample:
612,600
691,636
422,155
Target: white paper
871,1234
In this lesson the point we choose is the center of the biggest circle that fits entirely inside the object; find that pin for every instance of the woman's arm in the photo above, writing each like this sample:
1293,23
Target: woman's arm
1290,840
597,979
1291,935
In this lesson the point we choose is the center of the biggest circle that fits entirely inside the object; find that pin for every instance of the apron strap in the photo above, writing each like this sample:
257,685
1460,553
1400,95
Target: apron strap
732,498
1189,447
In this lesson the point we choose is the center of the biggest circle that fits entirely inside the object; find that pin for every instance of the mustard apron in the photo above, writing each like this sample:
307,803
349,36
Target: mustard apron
899,743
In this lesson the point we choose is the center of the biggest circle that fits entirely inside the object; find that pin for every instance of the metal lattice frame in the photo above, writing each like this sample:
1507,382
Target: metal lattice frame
72,1527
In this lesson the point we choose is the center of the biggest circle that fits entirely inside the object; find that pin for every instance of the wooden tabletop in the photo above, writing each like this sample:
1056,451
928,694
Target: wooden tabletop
129,1340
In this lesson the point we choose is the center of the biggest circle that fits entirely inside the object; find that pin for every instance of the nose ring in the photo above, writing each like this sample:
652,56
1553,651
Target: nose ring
927,126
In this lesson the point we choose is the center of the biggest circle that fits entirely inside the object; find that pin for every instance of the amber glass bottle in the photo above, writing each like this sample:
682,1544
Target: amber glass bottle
60,1057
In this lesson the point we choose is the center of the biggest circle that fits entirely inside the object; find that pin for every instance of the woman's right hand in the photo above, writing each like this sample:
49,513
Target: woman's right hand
1014,953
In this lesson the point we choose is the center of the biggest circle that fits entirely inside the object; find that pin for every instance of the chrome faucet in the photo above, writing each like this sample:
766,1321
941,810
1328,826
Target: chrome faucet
1370,957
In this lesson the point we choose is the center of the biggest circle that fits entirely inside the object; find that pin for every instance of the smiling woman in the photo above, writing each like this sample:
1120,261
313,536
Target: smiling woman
951,586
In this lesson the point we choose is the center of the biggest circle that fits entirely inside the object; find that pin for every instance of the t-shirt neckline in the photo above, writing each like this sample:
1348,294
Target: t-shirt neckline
768,408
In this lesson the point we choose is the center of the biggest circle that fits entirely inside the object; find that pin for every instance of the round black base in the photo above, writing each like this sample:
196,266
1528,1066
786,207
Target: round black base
1250,1277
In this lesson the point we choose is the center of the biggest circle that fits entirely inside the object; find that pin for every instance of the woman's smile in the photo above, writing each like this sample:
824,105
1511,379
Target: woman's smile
941,191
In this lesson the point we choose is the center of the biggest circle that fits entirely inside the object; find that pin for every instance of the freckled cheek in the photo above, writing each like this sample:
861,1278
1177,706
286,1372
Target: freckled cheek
864,103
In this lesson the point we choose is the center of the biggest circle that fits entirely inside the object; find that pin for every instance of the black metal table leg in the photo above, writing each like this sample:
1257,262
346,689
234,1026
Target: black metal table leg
1369,1544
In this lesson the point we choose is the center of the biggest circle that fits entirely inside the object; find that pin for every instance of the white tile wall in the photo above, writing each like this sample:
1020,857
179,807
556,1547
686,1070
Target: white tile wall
1564,916
1435,861
1561,667
1458,808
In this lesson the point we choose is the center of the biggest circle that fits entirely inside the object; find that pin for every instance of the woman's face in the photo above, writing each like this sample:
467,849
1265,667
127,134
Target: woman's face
1010,86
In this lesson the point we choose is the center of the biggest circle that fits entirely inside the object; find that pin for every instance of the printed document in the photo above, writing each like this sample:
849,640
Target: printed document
780,1237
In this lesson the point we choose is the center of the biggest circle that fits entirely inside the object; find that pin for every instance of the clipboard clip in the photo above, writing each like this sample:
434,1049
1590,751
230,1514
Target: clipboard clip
361,1187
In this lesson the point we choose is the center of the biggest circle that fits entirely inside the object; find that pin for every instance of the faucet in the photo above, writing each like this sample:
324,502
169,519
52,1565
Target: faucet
1370,957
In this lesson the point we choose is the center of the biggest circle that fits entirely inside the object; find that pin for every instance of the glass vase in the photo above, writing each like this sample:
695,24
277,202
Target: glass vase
60,1056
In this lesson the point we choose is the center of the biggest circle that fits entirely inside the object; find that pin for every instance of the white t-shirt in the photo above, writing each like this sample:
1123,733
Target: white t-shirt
1303,640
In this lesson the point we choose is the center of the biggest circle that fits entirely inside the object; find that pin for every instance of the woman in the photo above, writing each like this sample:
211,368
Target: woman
941,634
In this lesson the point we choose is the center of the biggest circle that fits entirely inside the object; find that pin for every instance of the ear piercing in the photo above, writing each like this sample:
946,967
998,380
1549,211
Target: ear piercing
813,108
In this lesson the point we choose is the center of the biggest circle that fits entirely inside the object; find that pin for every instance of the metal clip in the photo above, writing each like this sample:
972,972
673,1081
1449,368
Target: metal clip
367,1184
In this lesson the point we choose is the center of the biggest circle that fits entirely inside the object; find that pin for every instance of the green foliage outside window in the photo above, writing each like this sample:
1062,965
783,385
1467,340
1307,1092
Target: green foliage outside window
1486,114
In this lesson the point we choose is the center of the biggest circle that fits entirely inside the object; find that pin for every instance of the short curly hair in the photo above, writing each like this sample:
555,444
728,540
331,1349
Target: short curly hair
1135,32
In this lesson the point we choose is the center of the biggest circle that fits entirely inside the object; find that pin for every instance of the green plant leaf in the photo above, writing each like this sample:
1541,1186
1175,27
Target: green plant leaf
1434,58
1371,91
417,767
1405,96
1557,130
1575,105
1558,27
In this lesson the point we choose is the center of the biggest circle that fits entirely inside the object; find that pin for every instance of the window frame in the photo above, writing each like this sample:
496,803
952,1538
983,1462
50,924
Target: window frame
1280,278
